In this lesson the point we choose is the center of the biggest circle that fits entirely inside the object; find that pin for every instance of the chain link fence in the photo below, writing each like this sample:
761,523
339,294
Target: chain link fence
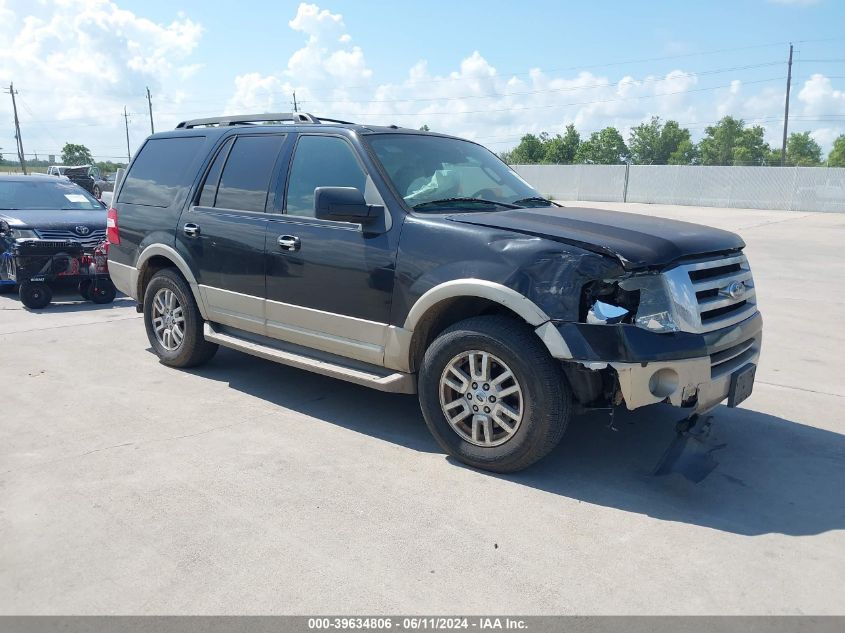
784,188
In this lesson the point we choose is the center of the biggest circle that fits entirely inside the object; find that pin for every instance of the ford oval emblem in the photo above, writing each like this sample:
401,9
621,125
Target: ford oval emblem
736,289
82,230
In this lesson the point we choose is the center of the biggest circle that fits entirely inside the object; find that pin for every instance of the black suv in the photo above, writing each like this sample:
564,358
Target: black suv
415,262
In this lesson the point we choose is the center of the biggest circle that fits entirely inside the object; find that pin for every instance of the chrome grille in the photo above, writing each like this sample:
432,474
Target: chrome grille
88,241
712,294
729,360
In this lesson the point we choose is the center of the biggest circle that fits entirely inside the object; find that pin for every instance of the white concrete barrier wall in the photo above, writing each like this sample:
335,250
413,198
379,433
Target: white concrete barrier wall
604,183
786,188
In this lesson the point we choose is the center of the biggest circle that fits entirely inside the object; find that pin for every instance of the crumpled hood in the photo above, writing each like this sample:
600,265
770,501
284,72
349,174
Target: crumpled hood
637,240
94,219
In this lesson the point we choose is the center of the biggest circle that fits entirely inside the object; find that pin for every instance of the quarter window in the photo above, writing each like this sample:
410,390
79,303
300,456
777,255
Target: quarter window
209,189
246,176
321,161
159,172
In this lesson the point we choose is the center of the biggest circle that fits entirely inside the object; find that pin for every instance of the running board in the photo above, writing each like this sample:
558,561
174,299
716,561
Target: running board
313,360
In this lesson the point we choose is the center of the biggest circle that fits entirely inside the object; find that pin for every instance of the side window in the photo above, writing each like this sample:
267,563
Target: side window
209,187
321,161
246,175
160,171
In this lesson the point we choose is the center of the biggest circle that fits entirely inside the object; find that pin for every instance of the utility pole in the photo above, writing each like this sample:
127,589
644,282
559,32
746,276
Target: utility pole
786,108
150,104
12,92
126,121
295,108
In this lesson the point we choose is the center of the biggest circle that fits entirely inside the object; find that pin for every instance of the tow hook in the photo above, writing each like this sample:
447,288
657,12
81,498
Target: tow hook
690,452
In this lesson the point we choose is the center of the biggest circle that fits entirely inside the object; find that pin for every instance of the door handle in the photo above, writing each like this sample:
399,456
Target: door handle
191,229
289,243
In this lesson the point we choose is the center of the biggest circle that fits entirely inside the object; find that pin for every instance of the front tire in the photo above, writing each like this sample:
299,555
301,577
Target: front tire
174,323
97,193
492,396
35,294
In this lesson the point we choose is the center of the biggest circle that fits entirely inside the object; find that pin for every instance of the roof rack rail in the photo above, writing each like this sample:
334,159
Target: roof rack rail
241,119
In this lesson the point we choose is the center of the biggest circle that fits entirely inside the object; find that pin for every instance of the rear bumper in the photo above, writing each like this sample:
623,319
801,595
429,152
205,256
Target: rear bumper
683,369
124,278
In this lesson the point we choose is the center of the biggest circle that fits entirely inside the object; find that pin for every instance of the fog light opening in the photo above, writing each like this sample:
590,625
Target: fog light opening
663,382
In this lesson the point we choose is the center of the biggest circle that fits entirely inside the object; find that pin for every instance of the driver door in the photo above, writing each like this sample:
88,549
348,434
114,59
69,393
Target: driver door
329,284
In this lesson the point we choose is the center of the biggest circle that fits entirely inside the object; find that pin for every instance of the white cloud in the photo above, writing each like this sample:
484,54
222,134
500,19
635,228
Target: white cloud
478,101
70,59
58,51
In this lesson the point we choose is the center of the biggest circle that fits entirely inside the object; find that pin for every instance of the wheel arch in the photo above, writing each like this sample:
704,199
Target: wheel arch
456,300
157,257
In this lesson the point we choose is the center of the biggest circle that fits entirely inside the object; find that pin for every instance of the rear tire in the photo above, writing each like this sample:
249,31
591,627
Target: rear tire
173,321
84,289
35,294
97,193
506,433
102,291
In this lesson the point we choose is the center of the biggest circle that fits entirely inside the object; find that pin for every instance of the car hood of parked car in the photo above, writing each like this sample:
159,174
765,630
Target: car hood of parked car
638,241
54,218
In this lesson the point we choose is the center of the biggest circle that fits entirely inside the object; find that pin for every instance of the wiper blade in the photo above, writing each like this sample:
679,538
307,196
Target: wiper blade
444,201
523,201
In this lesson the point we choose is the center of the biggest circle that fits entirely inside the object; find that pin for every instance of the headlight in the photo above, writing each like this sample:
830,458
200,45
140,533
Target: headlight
655,309
602,313
17,234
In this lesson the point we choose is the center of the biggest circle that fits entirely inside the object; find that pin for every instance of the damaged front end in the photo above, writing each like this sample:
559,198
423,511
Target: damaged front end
689,336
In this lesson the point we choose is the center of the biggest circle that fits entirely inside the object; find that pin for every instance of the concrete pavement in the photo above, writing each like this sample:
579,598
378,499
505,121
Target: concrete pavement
248,487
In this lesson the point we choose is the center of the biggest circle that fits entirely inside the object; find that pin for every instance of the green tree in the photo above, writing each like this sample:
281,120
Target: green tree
657,143
561,150
425,128
530,150
73,154
717,146
685,154
109,167
802,150
751,147
729,142
606,147
836,158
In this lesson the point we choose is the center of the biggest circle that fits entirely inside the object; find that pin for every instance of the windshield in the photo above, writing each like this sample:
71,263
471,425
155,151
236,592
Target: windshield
433,172
45,193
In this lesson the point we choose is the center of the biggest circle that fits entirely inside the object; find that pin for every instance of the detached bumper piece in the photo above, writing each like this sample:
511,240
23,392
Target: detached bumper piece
691,452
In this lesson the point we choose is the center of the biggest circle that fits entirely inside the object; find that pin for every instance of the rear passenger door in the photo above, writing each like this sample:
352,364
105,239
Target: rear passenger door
224,229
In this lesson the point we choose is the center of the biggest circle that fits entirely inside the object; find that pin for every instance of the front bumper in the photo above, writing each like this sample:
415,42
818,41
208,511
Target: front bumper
683,369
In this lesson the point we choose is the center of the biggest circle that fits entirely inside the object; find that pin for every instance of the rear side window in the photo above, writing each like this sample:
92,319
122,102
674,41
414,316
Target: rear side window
161,171
246,175
321,161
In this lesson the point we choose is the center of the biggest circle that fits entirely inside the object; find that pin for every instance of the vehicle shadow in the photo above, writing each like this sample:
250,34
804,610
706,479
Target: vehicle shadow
774,475
66,302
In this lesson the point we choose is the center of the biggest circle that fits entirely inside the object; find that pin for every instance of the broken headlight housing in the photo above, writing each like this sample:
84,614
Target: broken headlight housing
641,300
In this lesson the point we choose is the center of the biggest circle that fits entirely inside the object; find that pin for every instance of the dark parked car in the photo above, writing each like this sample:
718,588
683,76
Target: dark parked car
105,183
416,262
46,209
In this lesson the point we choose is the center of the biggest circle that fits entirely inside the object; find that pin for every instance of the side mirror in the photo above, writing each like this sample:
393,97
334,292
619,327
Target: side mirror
344,204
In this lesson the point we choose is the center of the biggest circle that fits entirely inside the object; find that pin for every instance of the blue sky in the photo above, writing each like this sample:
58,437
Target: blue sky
488,70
